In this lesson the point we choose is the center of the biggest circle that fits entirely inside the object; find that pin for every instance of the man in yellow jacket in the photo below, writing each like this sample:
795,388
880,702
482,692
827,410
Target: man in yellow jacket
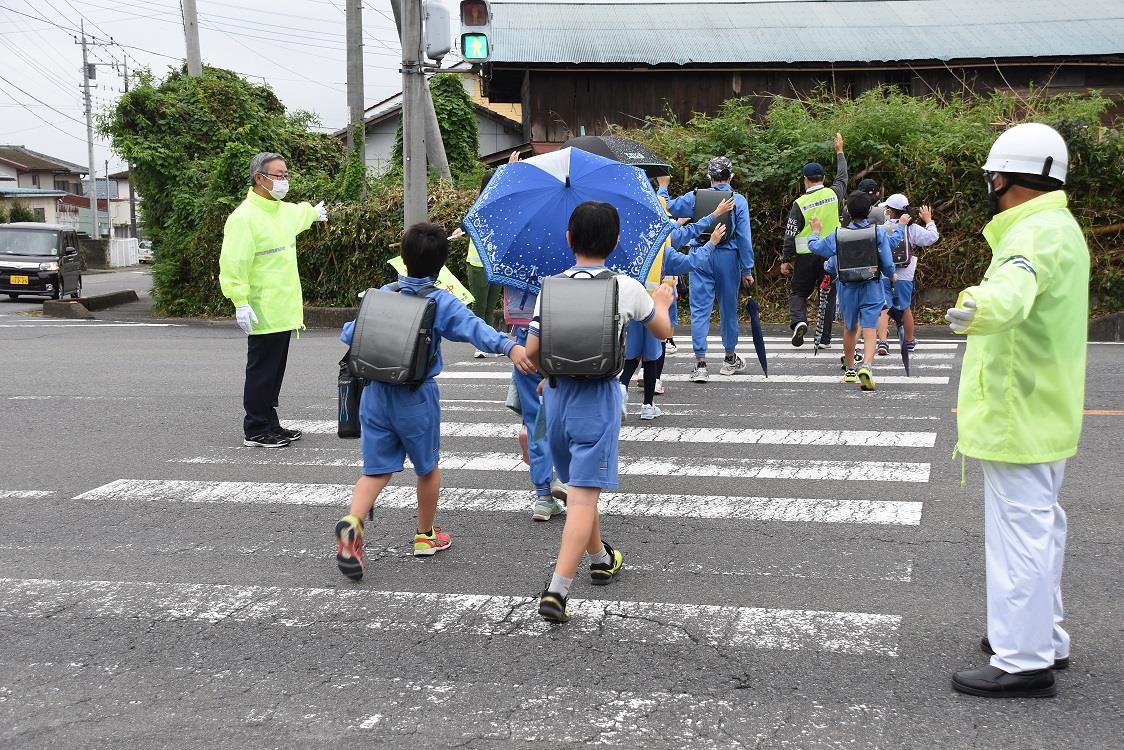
258,273
1021,400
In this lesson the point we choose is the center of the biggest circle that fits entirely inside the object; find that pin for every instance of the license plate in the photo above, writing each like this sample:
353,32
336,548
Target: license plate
19,280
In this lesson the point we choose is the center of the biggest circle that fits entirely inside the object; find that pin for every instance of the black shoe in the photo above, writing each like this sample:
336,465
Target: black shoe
798,332
266,441
602,574
985,646
992,682
291,435
552,607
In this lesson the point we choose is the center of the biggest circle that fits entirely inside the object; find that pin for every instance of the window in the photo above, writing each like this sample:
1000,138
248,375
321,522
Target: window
62,185
40,214
35,180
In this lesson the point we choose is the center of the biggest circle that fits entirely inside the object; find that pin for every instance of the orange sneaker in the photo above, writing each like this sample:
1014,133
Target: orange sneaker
349,547
429,544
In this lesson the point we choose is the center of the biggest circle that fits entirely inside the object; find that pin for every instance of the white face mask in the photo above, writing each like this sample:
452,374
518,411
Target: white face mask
280,189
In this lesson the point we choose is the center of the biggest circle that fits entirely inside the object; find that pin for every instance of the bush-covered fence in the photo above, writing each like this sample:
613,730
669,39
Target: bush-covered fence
191,139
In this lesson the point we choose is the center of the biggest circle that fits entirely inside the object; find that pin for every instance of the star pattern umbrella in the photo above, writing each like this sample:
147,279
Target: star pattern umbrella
624,150
518,223
821,318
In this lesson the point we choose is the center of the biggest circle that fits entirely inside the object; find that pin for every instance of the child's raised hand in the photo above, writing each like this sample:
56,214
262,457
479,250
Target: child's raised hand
717,234
724,207
664,295
520,359
817,225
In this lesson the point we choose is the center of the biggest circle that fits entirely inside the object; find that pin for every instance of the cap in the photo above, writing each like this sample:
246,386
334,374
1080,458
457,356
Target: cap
720,168
897,201
868,186
813,169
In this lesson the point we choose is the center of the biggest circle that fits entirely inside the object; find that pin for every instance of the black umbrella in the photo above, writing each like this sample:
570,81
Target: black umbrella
758,334
623,150
898,316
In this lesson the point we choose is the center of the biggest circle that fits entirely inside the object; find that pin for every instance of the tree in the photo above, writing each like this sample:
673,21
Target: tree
459,132
20,211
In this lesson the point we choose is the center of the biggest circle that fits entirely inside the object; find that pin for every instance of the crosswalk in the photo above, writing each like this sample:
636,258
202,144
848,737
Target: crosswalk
798,449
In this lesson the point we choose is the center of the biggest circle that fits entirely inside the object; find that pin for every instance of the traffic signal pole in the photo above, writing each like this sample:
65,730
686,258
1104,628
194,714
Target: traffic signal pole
415,207
354,21
434,146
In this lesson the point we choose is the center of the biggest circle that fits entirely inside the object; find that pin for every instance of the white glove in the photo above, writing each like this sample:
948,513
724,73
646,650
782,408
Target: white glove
322,213
244,314
960,318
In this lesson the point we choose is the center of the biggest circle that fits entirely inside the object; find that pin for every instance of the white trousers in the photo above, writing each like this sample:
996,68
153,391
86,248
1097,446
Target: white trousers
1024,536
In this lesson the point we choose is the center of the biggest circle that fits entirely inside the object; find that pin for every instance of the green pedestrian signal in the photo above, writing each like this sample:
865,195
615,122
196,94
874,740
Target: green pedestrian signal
474,47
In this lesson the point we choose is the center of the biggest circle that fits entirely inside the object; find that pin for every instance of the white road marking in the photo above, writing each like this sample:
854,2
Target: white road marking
781,509
830,355
684,377
453,614
24,494
745,339
90,324
628,433
862,471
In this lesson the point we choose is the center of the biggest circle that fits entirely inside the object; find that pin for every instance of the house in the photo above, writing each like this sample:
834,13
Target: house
44,202
31,169
499,125
594,63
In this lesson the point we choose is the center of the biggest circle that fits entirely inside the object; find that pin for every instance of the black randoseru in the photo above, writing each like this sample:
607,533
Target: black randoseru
579,326
393,341
856,255
706,201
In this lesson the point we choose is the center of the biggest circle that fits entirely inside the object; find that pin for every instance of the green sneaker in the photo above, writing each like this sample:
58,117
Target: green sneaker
866,379
546,508
602,574
850,376
552,607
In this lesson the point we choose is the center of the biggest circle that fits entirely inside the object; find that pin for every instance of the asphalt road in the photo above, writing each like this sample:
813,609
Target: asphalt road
137,277
803,567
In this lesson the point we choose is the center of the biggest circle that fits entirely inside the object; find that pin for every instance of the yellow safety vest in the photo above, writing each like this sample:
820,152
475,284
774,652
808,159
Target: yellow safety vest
822,203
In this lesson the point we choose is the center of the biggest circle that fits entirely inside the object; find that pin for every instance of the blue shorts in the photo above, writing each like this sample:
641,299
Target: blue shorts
903,294
861,304
398,422
641,343
583,422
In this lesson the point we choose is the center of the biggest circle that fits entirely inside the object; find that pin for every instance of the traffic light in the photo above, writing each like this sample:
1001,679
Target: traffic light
476,27
438,30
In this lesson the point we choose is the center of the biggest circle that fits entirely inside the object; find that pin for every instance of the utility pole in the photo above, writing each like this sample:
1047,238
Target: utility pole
89,137
191,38
129,164
415,207
354,20
434,146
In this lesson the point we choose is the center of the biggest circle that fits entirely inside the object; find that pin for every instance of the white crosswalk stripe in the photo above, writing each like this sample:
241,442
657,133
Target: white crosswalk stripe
448,375
24,494
454,614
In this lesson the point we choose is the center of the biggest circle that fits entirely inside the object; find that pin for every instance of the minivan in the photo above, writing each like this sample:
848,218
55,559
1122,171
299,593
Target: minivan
39,259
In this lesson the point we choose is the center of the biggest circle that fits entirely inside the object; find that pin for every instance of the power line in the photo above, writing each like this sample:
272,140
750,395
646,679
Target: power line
41,118
35,98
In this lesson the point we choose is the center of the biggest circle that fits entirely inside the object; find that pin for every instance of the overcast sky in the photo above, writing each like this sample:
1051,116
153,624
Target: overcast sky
297,46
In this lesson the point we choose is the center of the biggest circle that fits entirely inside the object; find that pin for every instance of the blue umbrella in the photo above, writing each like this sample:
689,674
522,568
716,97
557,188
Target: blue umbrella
758,334
518,223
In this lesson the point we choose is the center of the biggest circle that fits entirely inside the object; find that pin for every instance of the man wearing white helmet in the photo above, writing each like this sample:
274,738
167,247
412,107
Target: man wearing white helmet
1022,391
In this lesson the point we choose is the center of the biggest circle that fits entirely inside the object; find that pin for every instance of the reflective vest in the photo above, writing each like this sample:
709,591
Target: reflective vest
823,203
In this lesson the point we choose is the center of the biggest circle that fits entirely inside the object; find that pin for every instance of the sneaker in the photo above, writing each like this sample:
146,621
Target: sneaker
602,574
850,376
624,398
429,544
479,354
639,382
825,344
731,368
559,491
266,441
699,374
552,607
349,547
546,508
659,387
910,344
798,332
291,435
650,411
866,379
883,348
670,347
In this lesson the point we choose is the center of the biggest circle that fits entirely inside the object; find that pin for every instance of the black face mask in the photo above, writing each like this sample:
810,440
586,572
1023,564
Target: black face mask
994,195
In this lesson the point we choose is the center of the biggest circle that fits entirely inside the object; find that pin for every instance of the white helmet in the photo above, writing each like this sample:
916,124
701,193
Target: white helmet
1032,149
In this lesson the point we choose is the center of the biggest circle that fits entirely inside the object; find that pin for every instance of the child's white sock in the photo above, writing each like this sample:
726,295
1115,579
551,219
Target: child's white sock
601,558
560,585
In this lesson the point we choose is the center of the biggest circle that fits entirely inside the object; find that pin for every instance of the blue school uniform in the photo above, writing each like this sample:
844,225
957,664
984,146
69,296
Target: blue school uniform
639,341
722,278
538,450
860,303
400,420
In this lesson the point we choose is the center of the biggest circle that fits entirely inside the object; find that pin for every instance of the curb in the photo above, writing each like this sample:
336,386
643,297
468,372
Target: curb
85,306
328,317
1108,328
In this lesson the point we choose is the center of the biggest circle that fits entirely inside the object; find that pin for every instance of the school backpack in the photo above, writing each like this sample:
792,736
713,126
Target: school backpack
518,306
393,337
856,254
705,202
902,253
877,215
580,331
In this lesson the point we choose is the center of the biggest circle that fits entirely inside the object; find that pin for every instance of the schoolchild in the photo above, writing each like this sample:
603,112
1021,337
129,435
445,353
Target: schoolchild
917,234
402,420
583,415
860,292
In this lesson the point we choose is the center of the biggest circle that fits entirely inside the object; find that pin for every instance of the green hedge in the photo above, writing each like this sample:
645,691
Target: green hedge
929,149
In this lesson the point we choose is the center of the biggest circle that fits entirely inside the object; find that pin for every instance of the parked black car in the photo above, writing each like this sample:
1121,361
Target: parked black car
39,259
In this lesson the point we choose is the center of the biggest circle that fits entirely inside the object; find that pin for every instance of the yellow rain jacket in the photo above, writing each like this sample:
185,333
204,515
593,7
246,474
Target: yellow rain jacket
258,262
1022,385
